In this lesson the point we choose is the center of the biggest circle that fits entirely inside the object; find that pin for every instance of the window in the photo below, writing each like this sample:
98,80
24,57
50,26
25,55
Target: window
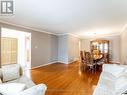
9,50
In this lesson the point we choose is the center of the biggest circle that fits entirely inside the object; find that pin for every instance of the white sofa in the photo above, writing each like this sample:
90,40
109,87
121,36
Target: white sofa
113,80
13,81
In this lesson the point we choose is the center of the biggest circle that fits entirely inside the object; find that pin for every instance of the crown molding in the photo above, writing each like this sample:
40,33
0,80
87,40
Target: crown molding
89,37
101,36
57,34
124,27
38,30
60,34
26,27
71,34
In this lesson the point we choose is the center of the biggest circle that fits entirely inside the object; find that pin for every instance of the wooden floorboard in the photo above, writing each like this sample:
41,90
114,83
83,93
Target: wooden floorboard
62,79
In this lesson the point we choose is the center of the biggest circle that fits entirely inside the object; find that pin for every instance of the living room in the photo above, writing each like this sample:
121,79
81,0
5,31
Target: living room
63,47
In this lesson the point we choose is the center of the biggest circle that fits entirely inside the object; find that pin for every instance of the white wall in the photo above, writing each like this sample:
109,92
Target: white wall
68,48
73,48
44,47
124,47
63,48
85,44
114,46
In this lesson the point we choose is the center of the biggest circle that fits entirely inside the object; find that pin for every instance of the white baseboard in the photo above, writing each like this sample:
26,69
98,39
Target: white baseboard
52,63
44,65
62,62
68,62
117,62
72,61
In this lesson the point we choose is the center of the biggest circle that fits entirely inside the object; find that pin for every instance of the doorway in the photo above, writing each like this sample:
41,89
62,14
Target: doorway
15,47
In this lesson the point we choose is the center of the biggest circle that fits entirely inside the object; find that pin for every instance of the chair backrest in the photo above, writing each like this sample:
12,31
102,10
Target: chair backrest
81,55
89,58
87,55
96,52
106,57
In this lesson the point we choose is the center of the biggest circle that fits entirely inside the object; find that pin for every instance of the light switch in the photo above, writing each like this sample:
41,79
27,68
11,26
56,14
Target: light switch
36,47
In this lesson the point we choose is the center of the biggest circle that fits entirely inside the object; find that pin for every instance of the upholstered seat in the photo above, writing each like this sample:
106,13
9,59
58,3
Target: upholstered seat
112,80
23,79
12,74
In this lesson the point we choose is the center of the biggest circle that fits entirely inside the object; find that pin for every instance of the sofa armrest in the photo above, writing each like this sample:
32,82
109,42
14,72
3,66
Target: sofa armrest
23,79
35,90
107,67
114,69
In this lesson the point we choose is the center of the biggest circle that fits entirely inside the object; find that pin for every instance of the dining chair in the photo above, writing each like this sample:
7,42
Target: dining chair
82,56
83,60
89,61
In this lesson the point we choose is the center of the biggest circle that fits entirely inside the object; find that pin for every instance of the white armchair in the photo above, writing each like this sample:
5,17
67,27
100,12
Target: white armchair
12,74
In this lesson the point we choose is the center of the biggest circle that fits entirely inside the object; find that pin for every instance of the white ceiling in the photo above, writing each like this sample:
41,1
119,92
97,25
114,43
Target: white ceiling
79,17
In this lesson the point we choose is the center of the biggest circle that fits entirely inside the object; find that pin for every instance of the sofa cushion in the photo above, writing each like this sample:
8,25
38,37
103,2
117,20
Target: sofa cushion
23,79
102,91
121,84
112,81
105,84
10,72
11,88
115,69
107,75
35,90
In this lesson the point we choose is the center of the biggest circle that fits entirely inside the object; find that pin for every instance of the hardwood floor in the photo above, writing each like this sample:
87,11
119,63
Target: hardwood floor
62,79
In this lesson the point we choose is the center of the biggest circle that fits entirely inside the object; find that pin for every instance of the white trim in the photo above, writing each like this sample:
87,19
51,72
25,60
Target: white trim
26,27
52,63
57,34
88,37
60,34
74,35
124,27
73,61
101,36
117,62
44,65
62,62
68,62
68,34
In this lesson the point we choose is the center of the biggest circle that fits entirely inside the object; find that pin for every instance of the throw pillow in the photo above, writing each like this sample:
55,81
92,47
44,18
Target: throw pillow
10,72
